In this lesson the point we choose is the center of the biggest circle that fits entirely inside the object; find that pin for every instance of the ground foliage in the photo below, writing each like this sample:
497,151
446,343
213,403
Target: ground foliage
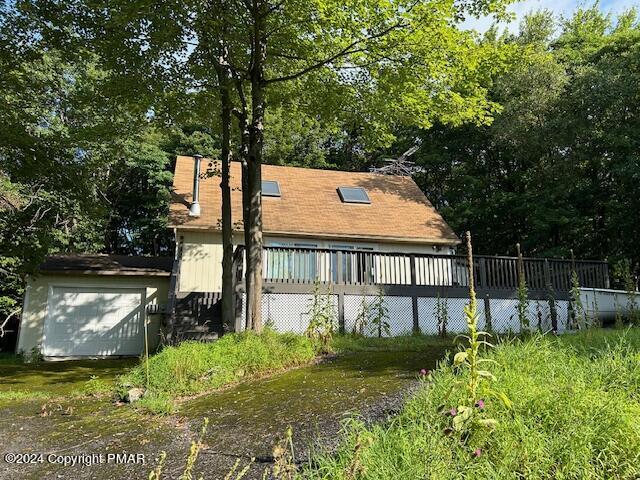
573,415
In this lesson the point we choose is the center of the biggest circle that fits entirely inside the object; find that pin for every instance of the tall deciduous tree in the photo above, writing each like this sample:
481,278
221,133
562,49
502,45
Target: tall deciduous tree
378,64
558,168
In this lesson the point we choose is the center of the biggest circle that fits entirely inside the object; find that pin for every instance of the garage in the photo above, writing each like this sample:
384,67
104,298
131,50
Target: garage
94,321
82,306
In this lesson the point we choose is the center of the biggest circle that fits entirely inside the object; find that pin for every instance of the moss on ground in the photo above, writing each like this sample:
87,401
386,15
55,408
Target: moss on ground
25,381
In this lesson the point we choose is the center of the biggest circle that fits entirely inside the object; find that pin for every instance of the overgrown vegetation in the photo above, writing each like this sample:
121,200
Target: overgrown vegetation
469,423
623,276
380,316
574,416
195,367
322,319
18,395
441,312
577,315
523,294
372,317
96,387
156,403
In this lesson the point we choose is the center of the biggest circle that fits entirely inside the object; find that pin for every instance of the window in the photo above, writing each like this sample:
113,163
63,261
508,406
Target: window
270,188
289,264
355,267
353,195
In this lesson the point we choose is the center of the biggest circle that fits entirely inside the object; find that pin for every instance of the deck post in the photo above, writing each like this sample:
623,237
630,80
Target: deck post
547,273
552,297
339,281
414,297
488,326
174,287
341,311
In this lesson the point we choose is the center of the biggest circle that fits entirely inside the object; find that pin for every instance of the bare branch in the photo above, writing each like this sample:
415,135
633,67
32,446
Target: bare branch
350,49
6,321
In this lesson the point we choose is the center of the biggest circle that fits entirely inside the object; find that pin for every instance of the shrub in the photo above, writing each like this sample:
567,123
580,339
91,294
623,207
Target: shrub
574,416
194,367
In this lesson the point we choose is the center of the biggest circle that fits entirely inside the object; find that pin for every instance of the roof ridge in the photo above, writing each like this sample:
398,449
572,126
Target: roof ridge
298,167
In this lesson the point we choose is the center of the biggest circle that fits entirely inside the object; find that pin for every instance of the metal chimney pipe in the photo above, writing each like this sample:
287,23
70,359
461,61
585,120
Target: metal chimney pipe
194,209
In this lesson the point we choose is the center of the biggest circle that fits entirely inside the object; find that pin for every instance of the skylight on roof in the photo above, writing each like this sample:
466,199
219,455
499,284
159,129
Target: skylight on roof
270,188
353,195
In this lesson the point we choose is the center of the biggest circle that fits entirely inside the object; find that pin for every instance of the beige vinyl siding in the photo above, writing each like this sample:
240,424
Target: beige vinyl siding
201,267
37,295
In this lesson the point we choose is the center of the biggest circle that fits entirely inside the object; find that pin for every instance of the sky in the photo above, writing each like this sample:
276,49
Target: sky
559,7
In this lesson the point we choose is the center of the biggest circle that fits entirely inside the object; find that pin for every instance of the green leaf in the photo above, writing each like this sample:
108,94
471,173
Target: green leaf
460,357
466,337
458,422
487,360
502,397
488,423
486,374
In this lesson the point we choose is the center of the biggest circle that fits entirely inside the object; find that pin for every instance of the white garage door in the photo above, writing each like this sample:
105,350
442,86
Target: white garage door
94,321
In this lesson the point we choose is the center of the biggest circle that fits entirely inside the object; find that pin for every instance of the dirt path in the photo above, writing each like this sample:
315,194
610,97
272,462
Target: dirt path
245,421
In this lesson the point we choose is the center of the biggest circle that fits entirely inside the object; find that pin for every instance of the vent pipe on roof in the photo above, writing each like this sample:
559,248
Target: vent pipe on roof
194,210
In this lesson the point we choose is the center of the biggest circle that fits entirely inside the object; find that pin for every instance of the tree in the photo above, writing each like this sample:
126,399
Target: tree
380,45
81,168
558,168
381,64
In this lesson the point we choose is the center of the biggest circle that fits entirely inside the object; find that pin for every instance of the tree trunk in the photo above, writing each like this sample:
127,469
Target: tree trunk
243,126
224,80
247,237
254,164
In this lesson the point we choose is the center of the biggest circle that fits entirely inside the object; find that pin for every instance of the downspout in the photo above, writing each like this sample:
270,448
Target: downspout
194,209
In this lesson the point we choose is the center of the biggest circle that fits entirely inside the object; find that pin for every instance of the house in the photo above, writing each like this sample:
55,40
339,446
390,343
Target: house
302,208
94,305
362,236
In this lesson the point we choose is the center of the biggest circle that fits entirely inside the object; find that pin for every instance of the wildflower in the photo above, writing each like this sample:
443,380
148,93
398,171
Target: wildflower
424,372
480,404
453,412
477,452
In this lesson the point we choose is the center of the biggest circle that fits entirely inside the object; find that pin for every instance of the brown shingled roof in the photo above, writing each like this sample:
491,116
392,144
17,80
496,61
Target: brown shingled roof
310,205
108,265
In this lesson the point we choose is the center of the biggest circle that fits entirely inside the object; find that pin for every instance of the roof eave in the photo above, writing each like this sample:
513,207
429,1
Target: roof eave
123,273
376,238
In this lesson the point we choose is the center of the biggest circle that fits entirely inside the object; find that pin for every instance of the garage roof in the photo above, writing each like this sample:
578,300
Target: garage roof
108,265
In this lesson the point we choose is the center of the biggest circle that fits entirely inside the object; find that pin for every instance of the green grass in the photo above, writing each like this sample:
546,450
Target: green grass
408,343
156,404
95,387
59,379
195,367
22,395
575,415
10,359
